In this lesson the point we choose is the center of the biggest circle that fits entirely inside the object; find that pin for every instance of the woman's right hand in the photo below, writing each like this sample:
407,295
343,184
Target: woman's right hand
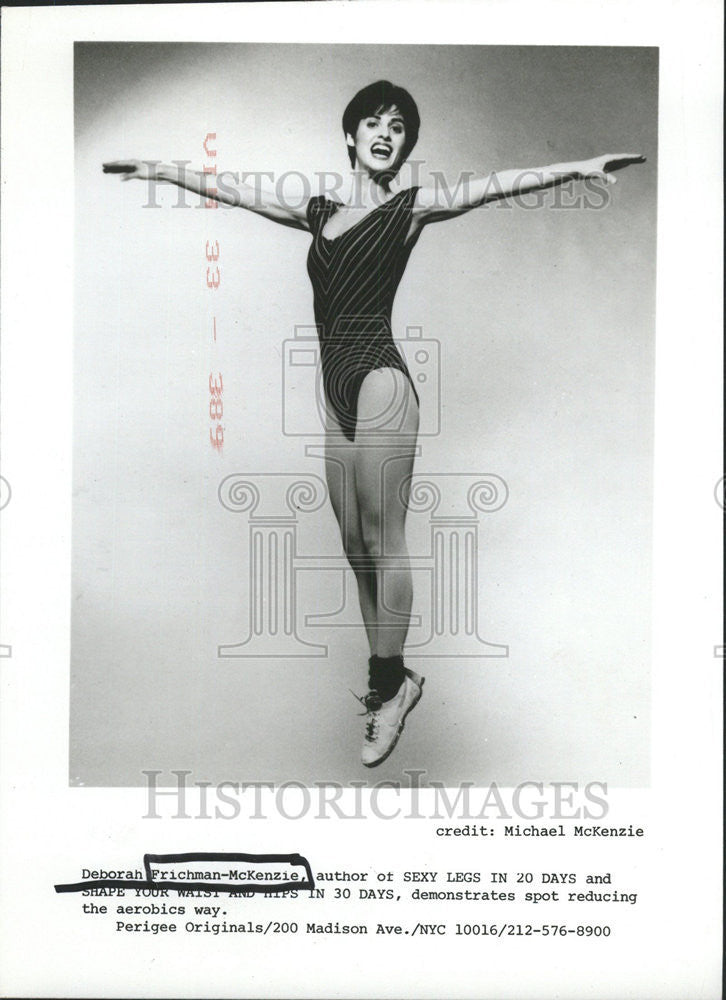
142,170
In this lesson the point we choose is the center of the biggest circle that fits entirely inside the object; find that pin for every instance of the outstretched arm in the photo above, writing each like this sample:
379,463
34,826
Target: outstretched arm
438,203
238,195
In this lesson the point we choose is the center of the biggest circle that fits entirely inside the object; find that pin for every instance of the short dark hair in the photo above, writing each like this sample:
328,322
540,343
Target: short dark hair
377,97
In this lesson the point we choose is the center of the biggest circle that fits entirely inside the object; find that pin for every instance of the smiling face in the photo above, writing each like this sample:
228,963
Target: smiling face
379,142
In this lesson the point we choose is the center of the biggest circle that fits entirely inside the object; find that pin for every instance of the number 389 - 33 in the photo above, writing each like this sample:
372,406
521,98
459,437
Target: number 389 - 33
216,409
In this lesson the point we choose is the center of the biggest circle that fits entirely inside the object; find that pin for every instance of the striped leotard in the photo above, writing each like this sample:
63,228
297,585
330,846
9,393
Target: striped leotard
354,279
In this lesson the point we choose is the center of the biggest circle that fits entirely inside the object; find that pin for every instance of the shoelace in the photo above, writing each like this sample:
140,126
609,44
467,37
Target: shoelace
372,728
371,701
372,704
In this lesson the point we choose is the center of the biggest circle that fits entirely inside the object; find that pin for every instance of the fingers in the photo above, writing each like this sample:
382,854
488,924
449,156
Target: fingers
621,160
120,167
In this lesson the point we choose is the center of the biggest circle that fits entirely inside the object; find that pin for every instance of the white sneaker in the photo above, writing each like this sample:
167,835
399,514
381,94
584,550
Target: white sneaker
385,719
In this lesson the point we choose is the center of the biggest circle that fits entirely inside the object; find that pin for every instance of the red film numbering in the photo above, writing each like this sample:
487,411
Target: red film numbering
213,279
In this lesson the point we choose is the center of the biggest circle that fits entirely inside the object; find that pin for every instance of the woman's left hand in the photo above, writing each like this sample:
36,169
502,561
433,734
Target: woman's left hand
603,166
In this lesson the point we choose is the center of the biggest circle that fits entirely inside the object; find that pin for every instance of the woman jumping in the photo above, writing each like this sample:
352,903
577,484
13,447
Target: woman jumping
358,254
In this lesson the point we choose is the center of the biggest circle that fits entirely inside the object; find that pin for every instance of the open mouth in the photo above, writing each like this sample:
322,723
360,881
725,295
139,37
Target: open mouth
380,151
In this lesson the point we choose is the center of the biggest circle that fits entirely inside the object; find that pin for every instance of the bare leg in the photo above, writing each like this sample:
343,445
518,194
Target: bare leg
340,476
384,454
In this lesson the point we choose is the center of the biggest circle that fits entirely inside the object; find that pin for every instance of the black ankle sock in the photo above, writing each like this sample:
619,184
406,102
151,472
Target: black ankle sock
385,675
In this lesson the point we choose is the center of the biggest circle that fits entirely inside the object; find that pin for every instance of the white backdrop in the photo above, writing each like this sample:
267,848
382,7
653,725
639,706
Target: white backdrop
545,320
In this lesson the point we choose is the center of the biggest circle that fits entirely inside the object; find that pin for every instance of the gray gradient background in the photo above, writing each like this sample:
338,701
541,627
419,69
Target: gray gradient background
546,325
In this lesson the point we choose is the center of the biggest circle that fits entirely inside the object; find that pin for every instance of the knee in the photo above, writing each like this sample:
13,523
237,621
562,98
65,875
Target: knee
389,544
354,545
396,542
372,541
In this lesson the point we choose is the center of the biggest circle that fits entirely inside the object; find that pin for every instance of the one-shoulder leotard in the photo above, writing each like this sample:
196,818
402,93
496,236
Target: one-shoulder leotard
354,279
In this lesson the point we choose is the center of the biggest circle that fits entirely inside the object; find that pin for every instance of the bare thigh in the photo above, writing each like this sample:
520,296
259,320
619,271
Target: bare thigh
384,455
340,477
